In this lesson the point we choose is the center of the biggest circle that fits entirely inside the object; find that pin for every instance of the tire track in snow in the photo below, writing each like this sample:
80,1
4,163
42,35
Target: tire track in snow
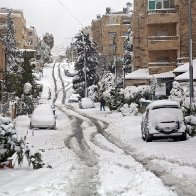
87,177
181,185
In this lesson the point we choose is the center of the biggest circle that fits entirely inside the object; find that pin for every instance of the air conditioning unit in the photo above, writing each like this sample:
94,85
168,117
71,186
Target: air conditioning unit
125,10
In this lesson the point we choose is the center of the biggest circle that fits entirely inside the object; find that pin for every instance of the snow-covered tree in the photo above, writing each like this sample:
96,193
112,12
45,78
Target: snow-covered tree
106,82
13,57
12,54
128,47
49,40
86,63
44,47
176,92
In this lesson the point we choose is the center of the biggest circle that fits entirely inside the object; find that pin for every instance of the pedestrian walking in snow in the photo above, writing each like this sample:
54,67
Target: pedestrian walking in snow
102,104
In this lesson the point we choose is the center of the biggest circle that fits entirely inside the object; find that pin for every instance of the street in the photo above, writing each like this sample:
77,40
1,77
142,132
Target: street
98,153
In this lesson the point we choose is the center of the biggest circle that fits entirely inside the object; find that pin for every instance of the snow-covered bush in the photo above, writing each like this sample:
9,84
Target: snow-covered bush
186,102
25,104
92,93
106,83
34,159
114,98
176,92
133,94
127,110
10,144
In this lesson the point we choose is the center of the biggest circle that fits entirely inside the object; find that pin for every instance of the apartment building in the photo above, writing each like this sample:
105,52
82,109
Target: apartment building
19,25
109,32
31,38
160,35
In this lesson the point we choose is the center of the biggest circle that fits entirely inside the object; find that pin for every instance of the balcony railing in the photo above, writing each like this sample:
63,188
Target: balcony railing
162,11
162,16
163,43
167,64
162,38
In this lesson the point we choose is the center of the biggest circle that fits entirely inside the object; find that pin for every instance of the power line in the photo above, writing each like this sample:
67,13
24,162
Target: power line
62,5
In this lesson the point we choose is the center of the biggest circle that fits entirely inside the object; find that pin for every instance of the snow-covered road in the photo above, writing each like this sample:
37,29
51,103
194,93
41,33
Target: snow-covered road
98,153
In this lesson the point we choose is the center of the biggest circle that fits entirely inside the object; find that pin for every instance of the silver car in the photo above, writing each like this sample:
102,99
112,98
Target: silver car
163,119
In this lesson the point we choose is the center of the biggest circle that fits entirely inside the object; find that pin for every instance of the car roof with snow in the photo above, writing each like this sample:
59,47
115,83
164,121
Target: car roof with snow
43,109
163,104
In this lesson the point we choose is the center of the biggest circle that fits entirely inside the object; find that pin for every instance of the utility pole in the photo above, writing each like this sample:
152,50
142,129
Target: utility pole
115,60
85,78
72,50
190,57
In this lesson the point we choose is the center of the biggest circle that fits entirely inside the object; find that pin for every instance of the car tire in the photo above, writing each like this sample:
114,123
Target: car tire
143,137
183,137
148,137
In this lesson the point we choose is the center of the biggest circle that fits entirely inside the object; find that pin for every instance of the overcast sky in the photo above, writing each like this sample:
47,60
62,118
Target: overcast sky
57,16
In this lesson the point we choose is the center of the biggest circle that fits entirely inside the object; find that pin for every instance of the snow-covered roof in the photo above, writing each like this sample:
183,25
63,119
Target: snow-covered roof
183,68
185,76
138,74
169,74
144,74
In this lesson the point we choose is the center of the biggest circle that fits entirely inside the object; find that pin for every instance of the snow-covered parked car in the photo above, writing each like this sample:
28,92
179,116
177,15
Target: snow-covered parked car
43,117
74,98
163,119
86,103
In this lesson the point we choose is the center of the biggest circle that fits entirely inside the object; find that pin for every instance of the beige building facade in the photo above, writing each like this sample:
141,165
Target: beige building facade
31,38
160,34
19,25
109,32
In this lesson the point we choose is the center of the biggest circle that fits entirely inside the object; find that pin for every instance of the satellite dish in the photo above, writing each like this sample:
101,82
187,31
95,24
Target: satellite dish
129,4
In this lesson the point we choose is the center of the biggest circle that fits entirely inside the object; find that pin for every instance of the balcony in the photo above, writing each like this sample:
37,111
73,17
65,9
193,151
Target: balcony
163,43
162,16
160,67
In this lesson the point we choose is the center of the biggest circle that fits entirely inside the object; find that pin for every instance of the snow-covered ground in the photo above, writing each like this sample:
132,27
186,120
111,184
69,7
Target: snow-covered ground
116,162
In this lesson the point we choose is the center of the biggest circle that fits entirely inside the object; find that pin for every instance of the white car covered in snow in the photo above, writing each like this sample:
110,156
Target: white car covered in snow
43,117
163,119
74,98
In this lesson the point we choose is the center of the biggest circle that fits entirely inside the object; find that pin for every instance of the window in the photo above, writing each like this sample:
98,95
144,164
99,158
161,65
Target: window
112,48
30,33
160,4
112,34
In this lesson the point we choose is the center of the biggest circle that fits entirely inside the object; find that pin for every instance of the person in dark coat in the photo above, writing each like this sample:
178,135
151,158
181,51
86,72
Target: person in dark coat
102,104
